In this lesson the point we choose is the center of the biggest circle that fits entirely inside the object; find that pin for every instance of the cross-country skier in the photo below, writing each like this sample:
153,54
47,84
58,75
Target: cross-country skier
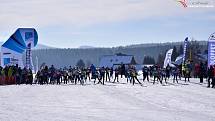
145,71
210,75
107,74
134,75
116,75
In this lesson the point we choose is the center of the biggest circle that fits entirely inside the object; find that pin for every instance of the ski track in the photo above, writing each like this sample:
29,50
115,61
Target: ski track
109,102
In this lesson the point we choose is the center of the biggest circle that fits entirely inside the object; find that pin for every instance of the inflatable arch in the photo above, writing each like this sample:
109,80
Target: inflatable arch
21,41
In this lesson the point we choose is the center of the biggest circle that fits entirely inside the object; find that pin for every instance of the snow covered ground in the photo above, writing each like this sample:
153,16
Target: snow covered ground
111,102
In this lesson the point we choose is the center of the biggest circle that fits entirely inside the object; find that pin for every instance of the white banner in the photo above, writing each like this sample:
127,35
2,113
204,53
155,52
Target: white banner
167,58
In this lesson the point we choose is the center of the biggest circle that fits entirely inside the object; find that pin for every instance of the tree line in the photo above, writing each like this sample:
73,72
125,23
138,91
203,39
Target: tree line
150,54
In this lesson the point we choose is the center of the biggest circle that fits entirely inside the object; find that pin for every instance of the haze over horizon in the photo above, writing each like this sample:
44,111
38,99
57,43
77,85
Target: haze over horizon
106,23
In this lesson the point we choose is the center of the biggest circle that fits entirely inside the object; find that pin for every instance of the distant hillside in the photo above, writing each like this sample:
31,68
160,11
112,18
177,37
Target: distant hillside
163,44
67,57
86,47
39,46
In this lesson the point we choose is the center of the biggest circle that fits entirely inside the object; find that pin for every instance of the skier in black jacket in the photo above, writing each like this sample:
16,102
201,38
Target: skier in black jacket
210,75
201,72
145,71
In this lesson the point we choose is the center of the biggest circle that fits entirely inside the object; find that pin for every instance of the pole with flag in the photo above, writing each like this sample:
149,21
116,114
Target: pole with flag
37,65
185,49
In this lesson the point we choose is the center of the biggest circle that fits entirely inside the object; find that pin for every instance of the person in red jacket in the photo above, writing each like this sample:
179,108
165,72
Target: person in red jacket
197,68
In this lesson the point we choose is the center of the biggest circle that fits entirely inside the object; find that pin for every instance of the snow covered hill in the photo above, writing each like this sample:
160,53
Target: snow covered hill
111,102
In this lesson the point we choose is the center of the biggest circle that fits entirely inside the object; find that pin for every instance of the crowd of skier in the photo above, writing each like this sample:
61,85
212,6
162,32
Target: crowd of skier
102,75
15,74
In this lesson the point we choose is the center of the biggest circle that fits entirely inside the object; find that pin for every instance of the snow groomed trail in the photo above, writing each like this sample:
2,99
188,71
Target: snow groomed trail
110,102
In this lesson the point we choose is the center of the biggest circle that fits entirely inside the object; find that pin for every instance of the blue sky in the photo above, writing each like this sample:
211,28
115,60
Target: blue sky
106,23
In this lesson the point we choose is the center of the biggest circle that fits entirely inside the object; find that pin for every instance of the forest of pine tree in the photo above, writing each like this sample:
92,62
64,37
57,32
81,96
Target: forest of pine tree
67,57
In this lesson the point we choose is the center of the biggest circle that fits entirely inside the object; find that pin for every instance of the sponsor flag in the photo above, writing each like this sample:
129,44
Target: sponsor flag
211,50
167,58
185,49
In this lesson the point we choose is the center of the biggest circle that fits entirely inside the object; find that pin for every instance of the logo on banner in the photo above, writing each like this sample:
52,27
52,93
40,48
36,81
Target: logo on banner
212,37
6,53
6,61
28,35
183,3
196,3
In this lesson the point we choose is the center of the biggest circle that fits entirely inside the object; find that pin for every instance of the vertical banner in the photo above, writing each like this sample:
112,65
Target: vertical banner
211,50
185,49
168,58
37,65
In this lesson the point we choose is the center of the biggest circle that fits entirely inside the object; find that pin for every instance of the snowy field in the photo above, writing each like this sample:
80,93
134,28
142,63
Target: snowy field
111,102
